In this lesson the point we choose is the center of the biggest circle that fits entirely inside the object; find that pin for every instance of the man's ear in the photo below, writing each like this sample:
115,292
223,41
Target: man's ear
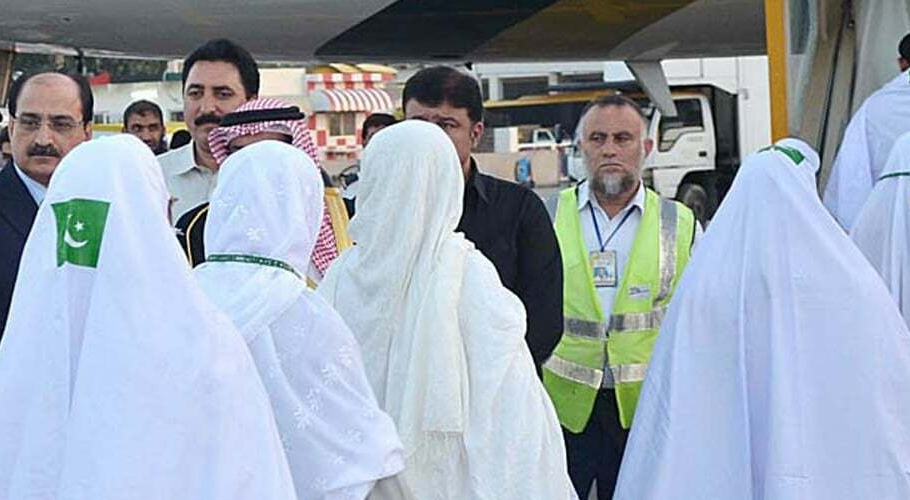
476,134
649,146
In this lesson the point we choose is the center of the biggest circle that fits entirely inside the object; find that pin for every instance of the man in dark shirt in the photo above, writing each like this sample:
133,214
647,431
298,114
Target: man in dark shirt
508,223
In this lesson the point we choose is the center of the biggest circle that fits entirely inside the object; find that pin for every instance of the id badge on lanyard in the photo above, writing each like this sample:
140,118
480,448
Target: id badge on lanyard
603,262
603,265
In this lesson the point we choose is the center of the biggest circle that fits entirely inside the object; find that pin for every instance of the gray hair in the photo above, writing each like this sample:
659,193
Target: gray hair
615,100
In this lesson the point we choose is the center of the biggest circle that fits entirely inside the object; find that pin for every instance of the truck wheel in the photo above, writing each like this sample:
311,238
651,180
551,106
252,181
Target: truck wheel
696,198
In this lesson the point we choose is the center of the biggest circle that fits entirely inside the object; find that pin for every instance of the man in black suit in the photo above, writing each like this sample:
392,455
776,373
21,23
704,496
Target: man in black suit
50,114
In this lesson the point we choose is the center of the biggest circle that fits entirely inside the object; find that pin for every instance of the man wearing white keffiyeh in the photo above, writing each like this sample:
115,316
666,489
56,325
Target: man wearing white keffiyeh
270,119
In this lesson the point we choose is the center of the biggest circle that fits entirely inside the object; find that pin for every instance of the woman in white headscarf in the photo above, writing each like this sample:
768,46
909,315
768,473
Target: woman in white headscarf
882,228
781,370
443,340
262,227
118,378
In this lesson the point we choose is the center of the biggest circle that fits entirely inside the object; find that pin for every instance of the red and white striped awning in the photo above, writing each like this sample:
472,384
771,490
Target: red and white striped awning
370,100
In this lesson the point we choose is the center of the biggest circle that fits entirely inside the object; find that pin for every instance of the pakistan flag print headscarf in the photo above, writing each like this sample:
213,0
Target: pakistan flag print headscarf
118,378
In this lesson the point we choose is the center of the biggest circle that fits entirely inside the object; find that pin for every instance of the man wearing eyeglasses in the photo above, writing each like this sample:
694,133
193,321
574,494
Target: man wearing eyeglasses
50,114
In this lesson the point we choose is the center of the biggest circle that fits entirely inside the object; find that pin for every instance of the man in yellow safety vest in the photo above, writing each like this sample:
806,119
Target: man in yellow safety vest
623,251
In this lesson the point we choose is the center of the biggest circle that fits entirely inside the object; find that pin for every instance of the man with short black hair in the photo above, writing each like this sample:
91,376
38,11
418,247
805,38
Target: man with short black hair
374,123
145,120
218,77
508,223
50,114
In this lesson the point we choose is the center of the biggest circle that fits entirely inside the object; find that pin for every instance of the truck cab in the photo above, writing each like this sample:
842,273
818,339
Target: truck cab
683,157
695,153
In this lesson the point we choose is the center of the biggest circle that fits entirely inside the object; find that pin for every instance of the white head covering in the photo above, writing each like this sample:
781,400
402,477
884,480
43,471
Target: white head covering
443,340
865,147
122,379
882,228
268,208
781,369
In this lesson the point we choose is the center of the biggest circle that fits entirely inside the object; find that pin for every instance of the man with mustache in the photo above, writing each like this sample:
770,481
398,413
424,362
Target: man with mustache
50,114
218,77
623,250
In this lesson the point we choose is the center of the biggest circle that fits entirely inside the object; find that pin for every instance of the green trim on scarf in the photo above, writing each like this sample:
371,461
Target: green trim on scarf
794,154
252,259
902,173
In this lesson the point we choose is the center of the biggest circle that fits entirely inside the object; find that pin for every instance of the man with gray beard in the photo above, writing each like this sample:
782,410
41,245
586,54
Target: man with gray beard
623,251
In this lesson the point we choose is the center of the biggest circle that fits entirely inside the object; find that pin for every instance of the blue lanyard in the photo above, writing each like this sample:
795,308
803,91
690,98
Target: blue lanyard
602,243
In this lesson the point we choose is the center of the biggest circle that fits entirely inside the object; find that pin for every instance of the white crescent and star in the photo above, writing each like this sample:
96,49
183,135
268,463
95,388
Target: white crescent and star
68,239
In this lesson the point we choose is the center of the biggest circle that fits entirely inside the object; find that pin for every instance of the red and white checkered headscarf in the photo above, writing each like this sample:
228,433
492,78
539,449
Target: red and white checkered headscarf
326,248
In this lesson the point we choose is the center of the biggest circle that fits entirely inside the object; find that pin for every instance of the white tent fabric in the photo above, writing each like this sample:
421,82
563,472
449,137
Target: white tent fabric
864,150
118,378
442,338
268,208
781,370
882,229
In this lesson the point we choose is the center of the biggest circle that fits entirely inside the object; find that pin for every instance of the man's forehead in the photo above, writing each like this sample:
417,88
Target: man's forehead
144,117
213,74
415,108
612,119
49,94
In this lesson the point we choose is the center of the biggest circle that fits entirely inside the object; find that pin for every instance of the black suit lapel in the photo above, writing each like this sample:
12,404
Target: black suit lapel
17,206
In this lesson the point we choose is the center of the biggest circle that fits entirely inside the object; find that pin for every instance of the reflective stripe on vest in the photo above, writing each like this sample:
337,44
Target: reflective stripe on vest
575,372
578,327
596,330
667,248
592,377
627,374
